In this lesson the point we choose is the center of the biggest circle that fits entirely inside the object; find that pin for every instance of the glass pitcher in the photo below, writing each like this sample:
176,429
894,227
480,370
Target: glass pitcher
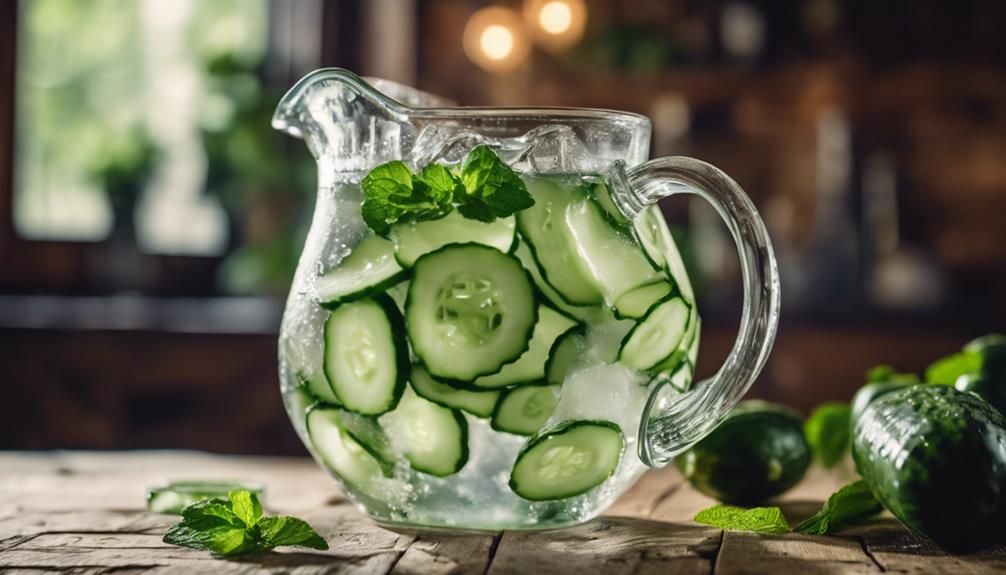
504,370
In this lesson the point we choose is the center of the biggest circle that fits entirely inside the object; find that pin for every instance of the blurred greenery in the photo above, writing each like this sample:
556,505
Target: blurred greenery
91,116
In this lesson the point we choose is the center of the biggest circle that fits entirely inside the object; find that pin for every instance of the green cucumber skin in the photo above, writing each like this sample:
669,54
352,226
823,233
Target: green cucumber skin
373,291
936,458
669,362
759,451
870,393
992,390
402,362
462,458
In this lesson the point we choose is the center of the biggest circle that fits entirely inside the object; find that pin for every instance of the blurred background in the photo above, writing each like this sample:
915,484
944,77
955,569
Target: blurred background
150,219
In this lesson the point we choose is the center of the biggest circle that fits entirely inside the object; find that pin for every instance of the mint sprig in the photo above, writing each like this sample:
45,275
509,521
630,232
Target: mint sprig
486,189
846,507
235,526
767,520
827,432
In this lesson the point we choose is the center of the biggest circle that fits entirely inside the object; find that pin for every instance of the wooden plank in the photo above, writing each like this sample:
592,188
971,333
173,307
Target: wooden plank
898,550
610,545
794,553
433,553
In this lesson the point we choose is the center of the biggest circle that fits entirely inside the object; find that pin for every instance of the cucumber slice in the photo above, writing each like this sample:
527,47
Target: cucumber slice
602,195
470,310
681,379
636,302
301,399
317,386
370,268
590,314
340,451
614,263
570,460
543,226
415,239
478,403
523,410
660,248
366,355
564,354
433,438
530,366
654,340
177,495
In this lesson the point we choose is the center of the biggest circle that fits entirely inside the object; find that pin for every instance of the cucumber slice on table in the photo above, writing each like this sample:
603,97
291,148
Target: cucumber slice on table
564,353
470,310
369,269
414,239
340,451
478,403
543,226
659,247
523,410
366,355
569,460
530,366
636,302
177,495
614,263
654,340
434,438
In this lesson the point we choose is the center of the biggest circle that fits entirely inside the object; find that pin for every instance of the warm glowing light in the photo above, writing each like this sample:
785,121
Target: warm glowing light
496,42
495,39
555,17
556,24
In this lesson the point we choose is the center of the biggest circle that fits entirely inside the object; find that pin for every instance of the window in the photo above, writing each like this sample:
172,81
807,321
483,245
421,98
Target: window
113,100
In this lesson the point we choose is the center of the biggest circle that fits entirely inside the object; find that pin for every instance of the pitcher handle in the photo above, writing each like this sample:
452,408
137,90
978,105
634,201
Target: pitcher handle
667,430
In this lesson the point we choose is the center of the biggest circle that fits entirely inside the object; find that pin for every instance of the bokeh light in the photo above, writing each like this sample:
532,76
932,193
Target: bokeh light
494,39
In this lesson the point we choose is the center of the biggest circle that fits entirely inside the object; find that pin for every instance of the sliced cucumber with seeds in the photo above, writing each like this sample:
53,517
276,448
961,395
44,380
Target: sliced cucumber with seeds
530,366
366,355
569,460
543,226
656,338
369,269
434,438
414,239
563,356
614,263
660,248
340,451
478,403
470,310
523,410
636,302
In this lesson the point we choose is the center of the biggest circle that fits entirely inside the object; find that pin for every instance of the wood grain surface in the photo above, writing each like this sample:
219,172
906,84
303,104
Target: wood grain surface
83,512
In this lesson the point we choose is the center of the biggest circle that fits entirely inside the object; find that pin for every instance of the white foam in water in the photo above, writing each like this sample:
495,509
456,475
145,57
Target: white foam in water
608,392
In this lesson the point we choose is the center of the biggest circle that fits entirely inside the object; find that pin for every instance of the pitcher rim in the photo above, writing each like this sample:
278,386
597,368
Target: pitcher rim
285,108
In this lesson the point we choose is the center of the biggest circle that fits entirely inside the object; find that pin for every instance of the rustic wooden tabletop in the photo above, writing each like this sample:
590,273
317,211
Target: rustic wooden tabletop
83,512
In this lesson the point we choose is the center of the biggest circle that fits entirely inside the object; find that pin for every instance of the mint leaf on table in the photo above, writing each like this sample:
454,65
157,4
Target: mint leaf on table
391,195
236,527
945,371
767,520
491,188
279,531
827,432
846,507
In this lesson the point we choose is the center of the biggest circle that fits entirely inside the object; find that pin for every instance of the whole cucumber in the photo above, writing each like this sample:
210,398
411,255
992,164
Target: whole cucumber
757,452
936,458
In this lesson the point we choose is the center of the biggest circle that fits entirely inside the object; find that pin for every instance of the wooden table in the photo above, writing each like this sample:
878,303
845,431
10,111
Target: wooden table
83,512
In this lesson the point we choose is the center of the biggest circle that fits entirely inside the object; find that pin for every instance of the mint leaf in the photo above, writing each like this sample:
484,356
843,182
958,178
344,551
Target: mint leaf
245,506
945,371
441,183
392,195
491,188
827,432
846,507
887,374
236,527
768,520
278,531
